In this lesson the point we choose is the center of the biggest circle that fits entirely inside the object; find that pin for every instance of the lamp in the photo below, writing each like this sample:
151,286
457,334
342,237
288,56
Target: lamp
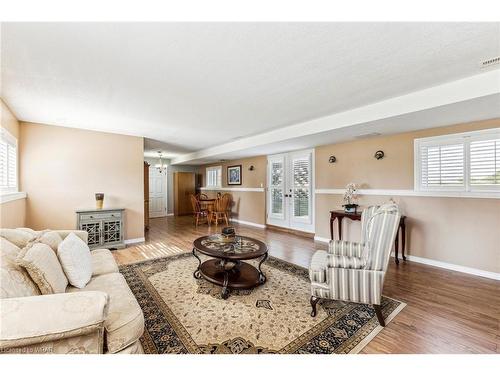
160,165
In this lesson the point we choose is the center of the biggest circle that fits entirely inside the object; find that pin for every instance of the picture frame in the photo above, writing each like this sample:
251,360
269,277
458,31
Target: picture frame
234,175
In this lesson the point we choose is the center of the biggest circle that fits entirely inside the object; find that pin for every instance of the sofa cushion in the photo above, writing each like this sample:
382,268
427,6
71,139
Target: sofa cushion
102,262
14,280
18,237
76,261
125,322
43,267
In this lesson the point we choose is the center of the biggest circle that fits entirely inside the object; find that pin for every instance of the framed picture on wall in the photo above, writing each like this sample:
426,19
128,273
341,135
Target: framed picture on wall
234,175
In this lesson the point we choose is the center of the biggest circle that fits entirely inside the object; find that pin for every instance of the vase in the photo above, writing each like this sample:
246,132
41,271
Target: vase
350,208
99,200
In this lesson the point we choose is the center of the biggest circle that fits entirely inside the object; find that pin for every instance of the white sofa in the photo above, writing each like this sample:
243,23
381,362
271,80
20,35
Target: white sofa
102,317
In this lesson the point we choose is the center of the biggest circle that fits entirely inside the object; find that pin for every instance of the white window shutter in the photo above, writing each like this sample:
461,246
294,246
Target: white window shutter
8,162
485,163
442,166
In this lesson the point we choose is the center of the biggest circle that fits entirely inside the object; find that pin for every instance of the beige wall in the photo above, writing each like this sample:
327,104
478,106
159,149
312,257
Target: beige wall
462,231
62,168
13,213
247,206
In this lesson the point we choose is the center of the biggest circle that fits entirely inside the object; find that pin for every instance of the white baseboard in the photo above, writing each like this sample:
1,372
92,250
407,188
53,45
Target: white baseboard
262,226
453,267
170,214
134,240
321,239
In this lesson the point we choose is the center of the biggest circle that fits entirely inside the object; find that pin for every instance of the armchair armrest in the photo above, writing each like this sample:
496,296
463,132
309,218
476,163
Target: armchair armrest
345,248
80,233
40,319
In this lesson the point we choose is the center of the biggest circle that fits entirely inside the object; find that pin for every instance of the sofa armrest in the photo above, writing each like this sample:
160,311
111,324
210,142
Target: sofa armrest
37,319
345,248
80,233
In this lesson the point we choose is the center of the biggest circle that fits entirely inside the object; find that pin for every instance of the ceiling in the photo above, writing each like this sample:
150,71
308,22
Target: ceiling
190,87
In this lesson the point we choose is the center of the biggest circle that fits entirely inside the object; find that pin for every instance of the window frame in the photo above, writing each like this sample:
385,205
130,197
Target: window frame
218,169
465,138
6,136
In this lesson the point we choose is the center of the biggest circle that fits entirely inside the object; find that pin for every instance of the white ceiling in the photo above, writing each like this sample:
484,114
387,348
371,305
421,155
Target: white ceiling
187,87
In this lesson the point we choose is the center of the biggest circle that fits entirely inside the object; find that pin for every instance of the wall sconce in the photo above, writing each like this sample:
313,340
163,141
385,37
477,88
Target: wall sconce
251,168
332,159
379,155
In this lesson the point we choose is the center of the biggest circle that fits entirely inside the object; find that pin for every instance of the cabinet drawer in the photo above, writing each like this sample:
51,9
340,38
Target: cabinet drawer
101,215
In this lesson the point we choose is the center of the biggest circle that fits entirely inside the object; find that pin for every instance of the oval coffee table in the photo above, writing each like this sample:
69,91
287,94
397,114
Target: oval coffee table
227,269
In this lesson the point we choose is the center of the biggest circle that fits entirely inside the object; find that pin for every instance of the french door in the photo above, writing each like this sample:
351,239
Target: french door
290,190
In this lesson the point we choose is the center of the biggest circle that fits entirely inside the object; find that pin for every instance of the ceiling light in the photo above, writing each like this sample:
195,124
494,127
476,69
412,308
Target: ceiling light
160,165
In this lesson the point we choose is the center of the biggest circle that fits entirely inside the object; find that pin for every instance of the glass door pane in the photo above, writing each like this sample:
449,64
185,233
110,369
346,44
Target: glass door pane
277,188
301,187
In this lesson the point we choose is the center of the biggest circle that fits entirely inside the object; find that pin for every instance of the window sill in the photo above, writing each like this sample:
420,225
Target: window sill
9,197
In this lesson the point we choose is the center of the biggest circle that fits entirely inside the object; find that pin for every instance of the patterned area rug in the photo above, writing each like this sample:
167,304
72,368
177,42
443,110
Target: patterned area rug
185,315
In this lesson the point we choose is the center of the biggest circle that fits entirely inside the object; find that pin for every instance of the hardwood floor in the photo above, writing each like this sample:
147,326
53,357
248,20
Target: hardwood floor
446,312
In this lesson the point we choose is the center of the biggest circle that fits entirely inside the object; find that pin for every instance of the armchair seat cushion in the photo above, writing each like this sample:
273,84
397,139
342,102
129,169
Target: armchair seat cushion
103,262
125,322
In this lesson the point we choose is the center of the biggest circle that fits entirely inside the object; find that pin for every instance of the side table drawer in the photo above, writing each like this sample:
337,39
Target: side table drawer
100,216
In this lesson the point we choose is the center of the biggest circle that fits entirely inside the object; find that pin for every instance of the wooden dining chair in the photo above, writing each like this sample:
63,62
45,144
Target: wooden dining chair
198,213
220,209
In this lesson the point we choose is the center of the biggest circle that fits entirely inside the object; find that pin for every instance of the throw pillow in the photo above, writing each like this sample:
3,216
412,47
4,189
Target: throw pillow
18,237
43,267
76,261
53,239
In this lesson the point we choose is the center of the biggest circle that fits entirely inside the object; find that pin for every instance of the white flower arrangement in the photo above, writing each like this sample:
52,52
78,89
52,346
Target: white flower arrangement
350,193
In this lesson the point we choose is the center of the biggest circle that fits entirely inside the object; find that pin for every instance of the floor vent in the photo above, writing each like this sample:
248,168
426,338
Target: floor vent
489,62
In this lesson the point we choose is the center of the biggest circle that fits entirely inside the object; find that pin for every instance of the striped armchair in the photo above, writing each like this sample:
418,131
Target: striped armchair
354,272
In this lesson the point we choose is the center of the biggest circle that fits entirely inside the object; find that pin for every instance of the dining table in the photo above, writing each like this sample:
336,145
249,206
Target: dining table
207,204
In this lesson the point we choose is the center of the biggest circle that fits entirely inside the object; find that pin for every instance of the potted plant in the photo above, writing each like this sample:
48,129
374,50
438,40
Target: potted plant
349,197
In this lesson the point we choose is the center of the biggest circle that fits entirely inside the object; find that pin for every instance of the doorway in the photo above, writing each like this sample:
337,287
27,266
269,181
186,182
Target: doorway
290,193
157,192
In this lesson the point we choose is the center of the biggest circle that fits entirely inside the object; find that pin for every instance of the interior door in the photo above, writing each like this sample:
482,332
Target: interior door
157,192
290,198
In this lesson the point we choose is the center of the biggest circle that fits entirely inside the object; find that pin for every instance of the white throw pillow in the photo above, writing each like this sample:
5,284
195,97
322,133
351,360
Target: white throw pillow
76,261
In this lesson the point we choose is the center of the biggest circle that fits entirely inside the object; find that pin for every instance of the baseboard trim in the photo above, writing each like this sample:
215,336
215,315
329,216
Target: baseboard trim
321,239
134,240
454,267
295,232
262,226
170,214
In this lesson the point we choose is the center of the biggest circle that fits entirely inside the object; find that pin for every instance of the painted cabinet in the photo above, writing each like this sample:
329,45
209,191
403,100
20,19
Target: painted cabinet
105,227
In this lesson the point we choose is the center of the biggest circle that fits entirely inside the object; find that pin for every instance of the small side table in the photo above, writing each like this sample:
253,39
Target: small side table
339,215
